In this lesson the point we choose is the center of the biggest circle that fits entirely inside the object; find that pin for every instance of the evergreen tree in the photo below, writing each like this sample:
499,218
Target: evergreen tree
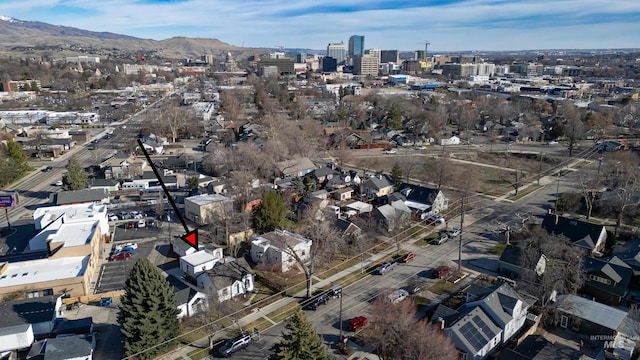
76,177
148,314
394,117
396,175
193,182
18,160
301,343
270,214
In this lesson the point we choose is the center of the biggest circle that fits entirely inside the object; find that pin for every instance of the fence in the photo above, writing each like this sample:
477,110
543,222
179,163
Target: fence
92,298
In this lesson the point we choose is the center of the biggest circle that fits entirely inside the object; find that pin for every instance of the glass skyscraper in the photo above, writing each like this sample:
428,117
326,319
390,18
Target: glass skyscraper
356,45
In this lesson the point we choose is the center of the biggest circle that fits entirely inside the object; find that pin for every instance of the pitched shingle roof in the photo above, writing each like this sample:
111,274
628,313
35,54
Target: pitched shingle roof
579,232
28,311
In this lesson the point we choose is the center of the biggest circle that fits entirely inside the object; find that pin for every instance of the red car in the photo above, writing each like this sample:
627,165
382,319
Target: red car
357,322
408,257
123,255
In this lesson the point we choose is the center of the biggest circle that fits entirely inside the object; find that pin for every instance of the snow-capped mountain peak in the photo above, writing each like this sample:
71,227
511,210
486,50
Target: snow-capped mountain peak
8,19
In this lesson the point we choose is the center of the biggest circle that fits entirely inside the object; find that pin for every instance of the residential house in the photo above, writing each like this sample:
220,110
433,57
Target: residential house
202,209
590,318
25,320
490,317
358,208
199,261
536,347
296,167
227,279
110,185
607,280
629,252
424,200
349,231
510,263
189,299
181,248
376,187
392,216
343,194
323,174
123,166
70,347
319,198
86,196
279,249
591,237
340,181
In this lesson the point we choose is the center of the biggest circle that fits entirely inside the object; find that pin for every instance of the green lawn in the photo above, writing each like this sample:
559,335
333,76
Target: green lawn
441,287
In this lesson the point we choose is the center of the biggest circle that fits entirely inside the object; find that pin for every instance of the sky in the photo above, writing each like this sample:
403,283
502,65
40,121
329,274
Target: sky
448,25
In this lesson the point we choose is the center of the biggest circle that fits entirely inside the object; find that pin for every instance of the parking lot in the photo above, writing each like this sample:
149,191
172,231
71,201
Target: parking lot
113,274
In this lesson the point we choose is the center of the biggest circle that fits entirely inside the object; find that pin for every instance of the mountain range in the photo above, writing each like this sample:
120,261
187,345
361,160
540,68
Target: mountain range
37,38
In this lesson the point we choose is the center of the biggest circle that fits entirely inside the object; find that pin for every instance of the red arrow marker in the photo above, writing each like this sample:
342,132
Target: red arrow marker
191,238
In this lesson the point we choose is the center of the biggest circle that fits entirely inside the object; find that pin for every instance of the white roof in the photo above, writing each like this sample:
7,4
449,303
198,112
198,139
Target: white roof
75,234
416,205
360,206
72,213
206,199
198,258
42,270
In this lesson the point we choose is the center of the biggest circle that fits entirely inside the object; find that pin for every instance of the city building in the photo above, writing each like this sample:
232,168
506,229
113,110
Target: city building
366,65
208,58
389,56
83,59
419,55
356,46
285,66
373,52
329,65
411,66
337,51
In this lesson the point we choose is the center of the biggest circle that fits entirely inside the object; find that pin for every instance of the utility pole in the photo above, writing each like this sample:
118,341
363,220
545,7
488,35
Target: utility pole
540,167
557,192
460,236
340,320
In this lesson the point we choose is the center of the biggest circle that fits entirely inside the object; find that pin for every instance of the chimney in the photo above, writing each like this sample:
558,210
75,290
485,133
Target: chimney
549,211
557,218
441,321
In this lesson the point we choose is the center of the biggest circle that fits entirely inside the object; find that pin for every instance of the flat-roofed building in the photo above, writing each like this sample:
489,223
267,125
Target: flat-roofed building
366,65
202,208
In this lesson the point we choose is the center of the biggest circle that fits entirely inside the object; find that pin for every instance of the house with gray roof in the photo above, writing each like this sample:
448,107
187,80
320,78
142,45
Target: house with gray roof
475,335
607,280
586,235
106,184
24,320
424,200
536,347
189,299
591,318
296,167
392,216
227,279
98,196
71,347
376,187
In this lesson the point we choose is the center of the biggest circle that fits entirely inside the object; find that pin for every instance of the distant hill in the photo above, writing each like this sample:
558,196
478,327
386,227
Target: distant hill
33,37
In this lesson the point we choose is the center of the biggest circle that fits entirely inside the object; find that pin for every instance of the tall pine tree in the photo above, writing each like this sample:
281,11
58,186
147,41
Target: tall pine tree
270,214
148,314
76,177
17,158
396,176
301,343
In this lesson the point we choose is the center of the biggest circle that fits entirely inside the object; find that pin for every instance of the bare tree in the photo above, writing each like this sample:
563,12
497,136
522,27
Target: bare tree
573,128
397,334
550,265
174,119
622,175
590,184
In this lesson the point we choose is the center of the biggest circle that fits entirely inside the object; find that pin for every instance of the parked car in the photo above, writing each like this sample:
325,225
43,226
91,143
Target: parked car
130,225
315,302
441,239
136,215
408,257
141,223
151,222
123,215
390,151
58,183
123,255
385,267
357,323
112,217
124,249
455,231
106,301
239,342
398,296
441,271
47,169
433,218
335,291
130,245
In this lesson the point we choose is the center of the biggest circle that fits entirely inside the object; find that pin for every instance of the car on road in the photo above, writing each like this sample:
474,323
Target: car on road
398,296
123,255
421,148
357,323
408,257
455,231
239,342
385,267
390,151
47,169
58,183
315,302
441,239
335,292
552,143
441,271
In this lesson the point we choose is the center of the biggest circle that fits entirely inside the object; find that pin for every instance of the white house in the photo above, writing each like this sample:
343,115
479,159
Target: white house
277,249
227,279
454,140
189,299
199,261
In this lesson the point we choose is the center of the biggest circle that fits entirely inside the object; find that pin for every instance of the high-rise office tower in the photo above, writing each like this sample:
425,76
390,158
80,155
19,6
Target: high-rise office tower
356,46
337,51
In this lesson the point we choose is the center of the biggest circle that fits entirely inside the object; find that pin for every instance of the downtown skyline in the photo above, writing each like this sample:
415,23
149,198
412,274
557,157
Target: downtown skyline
449,25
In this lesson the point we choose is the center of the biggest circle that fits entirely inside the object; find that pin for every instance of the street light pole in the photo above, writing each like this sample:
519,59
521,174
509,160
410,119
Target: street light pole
460,236
557,191
340,320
